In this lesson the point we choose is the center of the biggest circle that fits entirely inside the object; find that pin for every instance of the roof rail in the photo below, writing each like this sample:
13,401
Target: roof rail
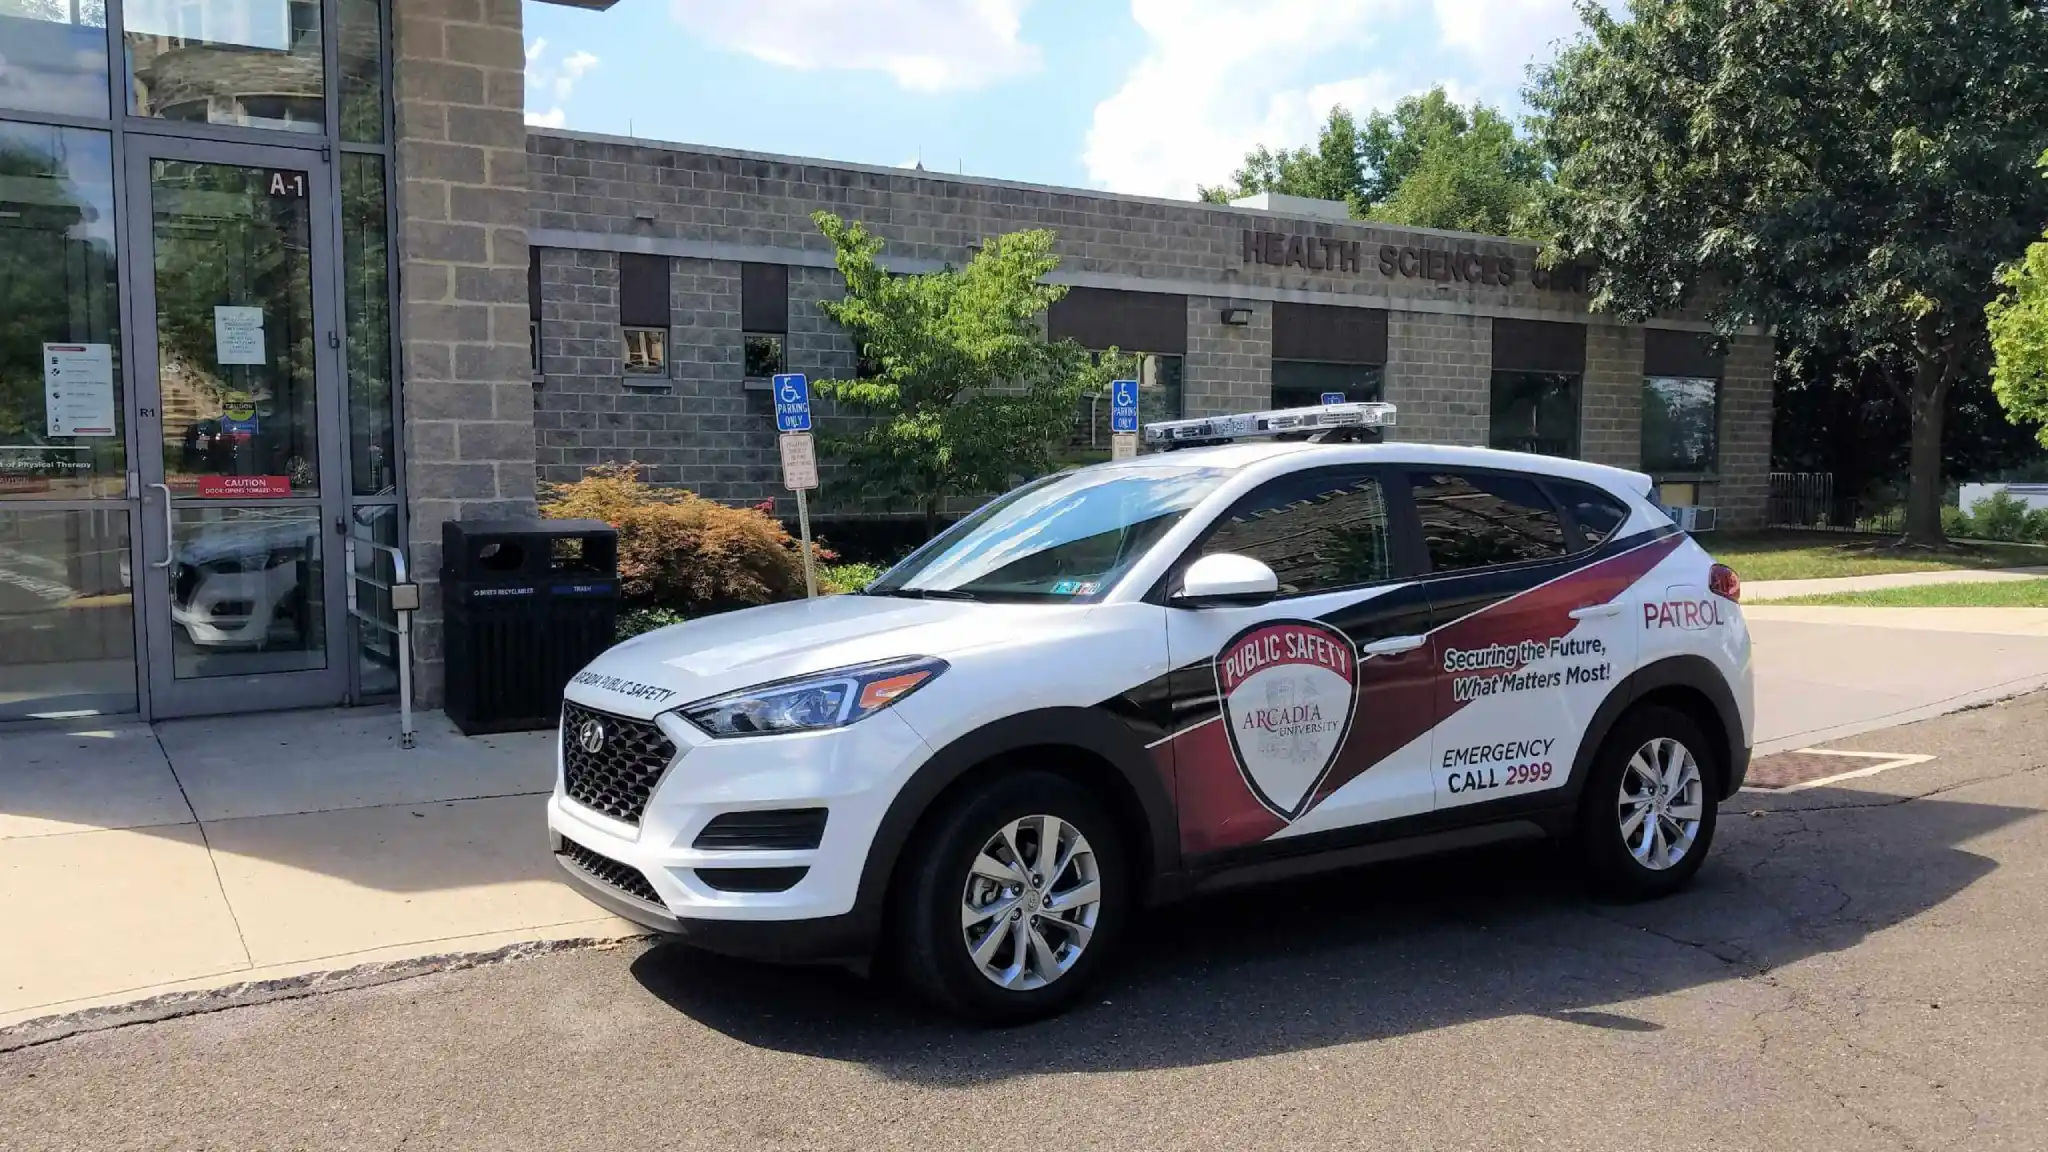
1325,423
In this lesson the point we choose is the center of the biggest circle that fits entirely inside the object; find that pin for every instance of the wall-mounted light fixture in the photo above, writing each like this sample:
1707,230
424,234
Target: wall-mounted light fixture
1237,315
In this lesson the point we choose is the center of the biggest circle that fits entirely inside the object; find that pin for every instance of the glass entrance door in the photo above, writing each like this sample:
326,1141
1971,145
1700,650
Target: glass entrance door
239,385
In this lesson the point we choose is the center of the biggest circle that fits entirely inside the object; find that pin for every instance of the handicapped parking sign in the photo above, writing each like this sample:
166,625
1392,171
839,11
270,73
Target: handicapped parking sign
1123,405
792,403
1333,397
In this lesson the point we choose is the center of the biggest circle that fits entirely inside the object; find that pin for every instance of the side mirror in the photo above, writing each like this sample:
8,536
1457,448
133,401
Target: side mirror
1224,578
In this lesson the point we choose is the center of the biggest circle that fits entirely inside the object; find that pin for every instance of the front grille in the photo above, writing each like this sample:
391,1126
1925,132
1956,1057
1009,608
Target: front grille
775,829
751,879
610,872
618,778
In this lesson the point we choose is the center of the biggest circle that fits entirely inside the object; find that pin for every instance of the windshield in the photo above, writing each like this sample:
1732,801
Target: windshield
1068,537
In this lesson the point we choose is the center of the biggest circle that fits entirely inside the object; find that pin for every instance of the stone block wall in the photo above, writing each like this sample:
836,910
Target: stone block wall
458,76
1743,494
1439,377
1228,367
1611,400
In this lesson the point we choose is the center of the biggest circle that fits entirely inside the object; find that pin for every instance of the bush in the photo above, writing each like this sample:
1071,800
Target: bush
2002,516
634,621
848,577
680,551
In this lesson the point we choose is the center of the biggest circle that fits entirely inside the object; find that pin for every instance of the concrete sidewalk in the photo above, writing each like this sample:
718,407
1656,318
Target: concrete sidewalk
137,861
1760,591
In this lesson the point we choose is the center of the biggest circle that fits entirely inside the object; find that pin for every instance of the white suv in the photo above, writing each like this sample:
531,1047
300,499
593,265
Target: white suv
1123,685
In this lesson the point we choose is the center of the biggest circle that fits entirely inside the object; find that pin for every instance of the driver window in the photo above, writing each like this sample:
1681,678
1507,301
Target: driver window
1317,531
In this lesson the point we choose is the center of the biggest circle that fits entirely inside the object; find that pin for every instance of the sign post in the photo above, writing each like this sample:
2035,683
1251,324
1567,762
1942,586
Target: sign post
1123,419
799,459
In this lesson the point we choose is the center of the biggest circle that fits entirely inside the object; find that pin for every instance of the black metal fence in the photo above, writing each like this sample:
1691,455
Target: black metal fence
1809,500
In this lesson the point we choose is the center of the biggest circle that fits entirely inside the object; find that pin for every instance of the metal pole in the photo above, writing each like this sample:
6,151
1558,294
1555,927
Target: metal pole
803,527
405,679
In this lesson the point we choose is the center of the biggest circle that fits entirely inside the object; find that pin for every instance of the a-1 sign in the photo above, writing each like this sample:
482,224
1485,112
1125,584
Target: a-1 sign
1123,405
792,403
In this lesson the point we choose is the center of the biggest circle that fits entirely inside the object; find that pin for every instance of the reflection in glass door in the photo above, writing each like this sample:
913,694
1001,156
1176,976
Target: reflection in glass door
236,303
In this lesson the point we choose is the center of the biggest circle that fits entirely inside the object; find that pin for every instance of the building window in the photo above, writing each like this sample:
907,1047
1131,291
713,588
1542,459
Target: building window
1681,401
56,57
1536,412
1302,383
1681,417
1484,520
1538,367
764,318
646,351
644,312
533,309
247,62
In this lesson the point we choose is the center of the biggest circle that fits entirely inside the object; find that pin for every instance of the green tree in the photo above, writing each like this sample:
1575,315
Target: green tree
2019,335
1840,169
961,391
1428,164
1331,170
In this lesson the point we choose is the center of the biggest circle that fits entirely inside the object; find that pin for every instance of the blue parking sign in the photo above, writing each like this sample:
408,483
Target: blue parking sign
792,403
1123,405
1333,397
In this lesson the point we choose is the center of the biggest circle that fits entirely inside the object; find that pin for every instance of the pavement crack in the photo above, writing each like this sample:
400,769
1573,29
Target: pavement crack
206,842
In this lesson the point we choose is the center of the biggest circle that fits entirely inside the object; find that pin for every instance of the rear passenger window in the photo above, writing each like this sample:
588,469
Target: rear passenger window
1482,519
1317,531
1594,514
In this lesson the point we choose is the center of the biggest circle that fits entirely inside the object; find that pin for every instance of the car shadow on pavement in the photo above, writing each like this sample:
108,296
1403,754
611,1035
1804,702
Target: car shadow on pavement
1392,950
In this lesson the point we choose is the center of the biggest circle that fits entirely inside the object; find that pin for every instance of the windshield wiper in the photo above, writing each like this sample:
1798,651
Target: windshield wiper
923,593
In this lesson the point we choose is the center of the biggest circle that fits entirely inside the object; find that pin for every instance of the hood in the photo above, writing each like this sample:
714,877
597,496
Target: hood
688,662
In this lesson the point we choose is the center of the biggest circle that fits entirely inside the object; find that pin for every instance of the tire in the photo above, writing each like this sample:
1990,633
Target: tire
939,888
1621,859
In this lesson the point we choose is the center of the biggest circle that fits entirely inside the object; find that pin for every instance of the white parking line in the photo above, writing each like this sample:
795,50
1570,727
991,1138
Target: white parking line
1887,762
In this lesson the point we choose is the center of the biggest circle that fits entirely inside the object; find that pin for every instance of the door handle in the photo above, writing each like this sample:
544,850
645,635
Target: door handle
1596,611
1394,645
169,550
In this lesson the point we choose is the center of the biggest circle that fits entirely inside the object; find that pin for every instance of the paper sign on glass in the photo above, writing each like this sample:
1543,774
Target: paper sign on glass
237,334
78,389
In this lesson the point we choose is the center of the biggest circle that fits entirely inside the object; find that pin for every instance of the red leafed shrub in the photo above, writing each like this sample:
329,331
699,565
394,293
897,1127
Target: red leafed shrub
681,551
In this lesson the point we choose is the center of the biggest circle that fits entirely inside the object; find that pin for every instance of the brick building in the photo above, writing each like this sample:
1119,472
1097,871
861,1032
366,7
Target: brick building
294,285
705,263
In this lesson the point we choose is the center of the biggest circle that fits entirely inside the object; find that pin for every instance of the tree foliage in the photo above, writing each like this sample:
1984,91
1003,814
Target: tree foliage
1428,164
960,390
1851,168
2019,334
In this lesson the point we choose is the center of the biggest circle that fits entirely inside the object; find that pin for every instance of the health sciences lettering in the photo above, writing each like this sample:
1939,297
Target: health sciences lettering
1323,253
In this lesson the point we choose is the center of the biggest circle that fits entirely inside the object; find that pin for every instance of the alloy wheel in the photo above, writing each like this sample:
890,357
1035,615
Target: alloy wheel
1031,902
1661,804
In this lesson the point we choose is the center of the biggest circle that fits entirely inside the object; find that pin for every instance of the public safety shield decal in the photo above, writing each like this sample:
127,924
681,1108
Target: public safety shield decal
1288,689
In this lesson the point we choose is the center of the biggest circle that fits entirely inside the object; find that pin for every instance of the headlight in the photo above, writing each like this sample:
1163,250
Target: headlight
827,700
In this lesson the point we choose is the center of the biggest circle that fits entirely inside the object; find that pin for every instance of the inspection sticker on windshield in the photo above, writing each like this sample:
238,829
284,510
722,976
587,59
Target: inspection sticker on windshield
1073,588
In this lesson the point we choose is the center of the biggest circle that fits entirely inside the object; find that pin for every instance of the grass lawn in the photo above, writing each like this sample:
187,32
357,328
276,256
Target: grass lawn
1783,555
1983,594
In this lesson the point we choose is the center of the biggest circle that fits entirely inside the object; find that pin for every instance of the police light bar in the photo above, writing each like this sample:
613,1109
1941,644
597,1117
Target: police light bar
1279,422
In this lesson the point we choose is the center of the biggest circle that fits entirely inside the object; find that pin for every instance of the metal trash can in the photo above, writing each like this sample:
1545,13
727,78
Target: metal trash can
528,603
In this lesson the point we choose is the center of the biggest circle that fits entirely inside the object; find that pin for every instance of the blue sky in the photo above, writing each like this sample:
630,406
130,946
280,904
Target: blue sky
1143,96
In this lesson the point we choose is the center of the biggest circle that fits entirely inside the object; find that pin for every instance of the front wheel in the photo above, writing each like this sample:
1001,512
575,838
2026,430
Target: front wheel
1013,899
1647,818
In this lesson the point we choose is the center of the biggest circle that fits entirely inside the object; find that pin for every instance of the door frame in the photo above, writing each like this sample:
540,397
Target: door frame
164,695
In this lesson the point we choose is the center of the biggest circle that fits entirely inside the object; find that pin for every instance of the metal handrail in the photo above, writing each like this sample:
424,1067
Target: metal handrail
403,629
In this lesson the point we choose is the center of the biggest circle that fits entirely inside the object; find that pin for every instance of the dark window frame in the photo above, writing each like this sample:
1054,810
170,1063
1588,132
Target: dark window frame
648,275
1556,487
1403,560
1578,393
1711,467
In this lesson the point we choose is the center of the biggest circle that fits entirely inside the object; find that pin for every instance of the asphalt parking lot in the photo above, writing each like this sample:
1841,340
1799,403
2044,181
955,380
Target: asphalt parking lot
1862,965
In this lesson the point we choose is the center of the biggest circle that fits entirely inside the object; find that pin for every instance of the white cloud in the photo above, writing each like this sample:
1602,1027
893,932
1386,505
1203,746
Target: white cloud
1219,78
1506,36
550,82
925,45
